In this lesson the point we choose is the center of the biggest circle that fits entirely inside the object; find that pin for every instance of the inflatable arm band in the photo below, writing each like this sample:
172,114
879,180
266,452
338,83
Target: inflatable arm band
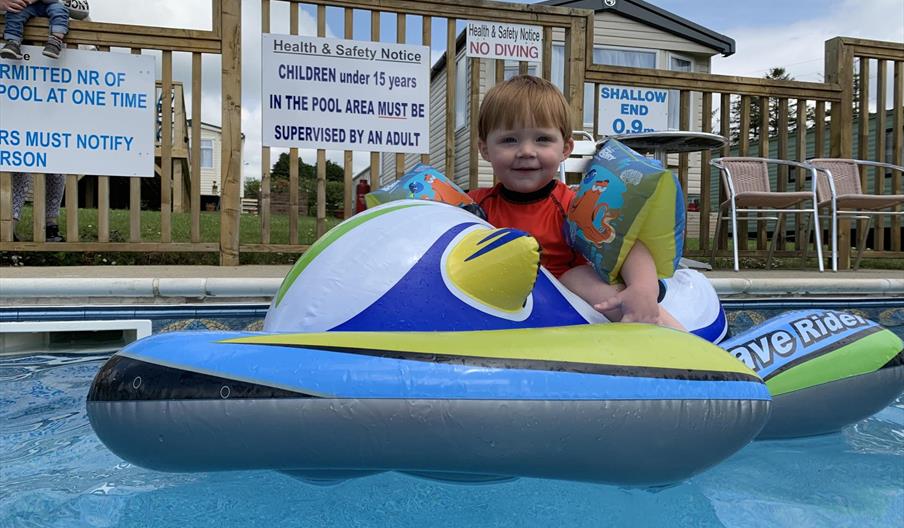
422,182
623,198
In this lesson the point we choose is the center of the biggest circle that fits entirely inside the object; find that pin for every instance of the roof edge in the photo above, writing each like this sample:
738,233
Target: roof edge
659,18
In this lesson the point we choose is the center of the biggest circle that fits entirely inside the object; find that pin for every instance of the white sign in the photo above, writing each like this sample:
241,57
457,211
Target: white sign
626,110
492,40
345,94
87,112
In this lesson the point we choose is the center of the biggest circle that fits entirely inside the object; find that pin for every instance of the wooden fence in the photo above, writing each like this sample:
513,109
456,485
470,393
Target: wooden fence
574,23
831,102
223,39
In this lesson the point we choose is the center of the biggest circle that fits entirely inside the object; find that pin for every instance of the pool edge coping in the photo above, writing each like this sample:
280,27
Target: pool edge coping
13,291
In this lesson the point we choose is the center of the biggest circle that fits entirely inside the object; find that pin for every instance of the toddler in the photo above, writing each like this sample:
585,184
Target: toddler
524,130
18,12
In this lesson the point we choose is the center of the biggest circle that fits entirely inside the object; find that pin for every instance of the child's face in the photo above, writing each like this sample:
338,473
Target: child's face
525,159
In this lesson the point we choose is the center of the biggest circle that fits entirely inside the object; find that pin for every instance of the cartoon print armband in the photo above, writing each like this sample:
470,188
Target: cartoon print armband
422,182
625,197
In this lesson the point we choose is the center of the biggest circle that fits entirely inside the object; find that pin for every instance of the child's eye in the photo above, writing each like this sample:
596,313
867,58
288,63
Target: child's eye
508,140
544,139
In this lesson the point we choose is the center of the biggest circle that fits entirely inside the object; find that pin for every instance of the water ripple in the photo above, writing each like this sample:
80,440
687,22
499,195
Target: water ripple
55,473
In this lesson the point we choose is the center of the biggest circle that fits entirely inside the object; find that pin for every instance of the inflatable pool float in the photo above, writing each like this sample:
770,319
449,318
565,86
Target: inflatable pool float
413,367
597,403
416,337
825,369
432,344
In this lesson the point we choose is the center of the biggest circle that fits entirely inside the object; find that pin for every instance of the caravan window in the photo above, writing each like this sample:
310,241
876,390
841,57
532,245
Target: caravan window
206,153
682,64
634,58
462,92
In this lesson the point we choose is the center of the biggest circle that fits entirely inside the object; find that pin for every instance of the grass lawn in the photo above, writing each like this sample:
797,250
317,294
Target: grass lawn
250,233
279,234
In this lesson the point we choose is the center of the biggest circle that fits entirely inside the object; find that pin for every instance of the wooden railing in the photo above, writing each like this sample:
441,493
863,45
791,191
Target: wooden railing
828,106
831,102
727,91
574,23
842,54
223,39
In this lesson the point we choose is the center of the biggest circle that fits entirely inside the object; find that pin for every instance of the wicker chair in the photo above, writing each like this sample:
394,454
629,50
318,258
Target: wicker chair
746,181
840,192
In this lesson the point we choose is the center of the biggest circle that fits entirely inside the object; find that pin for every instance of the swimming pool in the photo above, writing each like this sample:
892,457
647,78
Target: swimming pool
54,472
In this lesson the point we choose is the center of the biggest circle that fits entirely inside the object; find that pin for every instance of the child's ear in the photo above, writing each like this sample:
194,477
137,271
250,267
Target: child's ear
569,146
482,147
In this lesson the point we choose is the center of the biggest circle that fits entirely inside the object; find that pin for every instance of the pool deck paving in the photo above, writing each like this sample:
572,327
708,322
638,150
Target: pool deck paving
43,286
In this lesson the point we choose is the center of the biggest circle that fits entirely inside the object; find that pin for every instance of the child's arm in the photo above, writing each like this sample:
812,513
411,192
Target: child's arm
584,282
638,302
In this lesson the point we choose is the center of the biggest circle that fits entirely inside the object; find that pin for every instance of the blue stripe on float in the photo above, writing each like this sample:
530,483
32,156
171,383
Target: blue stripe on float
341,375
502,238
715,331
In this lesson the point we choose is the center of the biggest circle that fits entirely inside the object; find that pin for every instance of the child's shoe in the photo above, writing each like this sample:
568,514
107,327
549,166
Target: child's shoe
52,233
54,47
11,50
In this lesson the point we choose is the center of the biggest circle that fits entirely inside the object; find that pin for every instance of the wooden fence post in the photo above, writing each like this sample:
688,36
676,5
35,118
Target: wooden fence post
576,56
6,210
839,68
230,171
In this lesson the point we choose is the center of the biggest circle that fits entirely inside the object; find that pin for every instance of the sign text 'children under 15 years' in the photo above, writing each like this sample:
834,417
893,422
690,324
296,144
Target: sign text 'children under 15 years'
88,113
345,95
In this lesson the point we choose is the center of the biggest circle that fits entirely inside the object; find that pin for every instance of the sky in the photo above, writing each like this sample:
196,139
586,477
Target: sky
767,33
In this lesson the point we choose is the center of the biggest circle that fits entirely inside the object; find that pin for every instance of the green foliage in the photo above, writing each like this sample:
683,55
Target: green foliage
774,74
307,183
280,170
249,233
252,188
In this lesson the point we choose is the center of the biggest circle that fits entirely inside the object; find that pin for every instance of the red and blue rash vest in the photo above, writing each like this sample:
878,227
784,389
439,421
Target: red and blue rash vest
540,213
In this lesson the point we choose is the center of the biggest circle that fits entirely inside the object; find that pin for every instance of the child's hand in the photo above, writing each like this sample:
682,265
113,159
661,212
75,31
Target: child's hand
638,305
14,6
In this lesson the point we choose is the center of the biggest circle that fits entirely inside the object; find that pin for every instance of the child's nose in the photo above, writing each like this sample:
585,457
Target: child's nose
526,149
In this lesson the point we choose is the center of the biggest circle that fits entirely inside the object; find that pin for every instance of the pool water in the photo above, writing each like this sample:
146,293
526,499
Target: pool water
54,472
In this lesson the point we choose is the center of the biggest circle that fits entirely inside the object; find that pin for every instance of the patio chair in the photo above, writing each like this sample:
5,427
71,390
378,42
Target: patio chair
584,149
841,193
746,182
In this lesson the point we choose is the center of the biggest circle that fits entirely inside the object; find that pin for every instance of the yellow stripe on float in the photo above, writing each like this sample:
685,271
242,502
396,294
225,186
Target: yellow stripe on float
620,344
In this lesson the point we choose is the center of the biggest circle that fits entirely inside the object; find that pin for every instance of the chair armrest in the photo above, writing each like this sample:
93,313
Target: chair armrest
717,162
878,164
585,136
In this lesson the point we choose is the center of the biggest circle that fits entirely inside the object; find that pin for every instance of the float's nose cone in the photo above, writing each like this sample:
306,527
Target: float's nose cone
497,267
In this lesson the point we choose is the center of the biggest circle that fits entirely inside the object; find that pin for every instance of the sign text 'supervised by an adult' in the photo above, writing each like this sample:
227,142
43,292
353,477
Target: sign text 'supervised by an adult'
631,110
345,95
88,112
